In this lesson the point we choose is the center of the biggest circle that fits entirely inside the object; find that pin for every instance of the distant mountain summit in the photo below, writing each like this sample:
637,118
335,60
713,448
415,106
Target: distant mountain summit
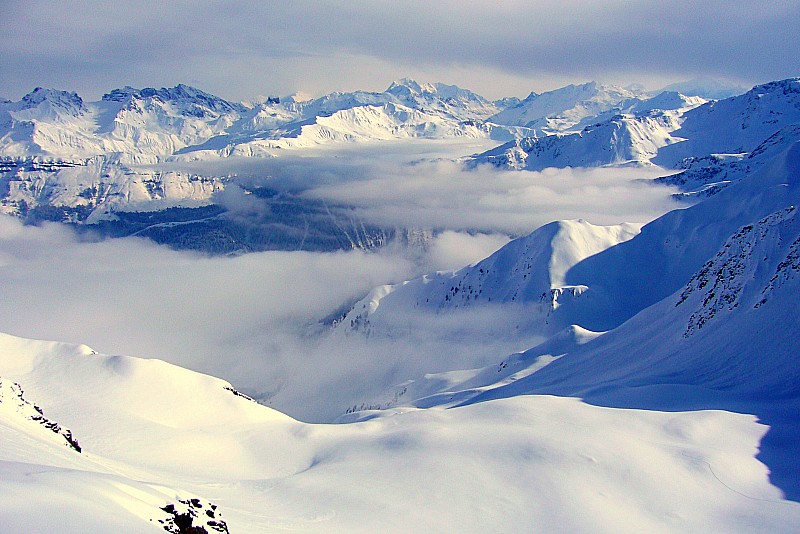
449,99
189,100
94,151
712,143
563,108
709,88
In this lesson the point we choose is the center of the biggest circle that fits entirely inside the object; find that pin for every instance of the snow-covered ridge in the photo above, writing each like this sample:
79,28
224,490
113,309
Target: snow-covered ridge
563,108
18,410
157,123
529,271
713,143
622,140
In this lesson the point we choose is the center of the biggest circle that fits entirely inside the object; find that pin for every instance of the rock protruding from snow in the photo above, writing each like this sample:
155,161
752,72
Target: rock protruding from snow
719,286
192,516
51,104
14,404
190,101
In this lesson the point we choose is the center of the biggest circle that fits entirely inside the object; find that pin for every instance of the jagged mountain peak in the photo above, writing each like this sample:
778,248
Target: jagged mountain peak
411,85
65,100
181,94
563,108
408,90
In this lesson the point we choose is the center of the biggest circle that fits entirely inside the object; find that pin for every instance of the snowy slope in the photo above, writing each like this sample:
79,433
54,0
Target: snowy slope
529,271
155,435
736,125
606,275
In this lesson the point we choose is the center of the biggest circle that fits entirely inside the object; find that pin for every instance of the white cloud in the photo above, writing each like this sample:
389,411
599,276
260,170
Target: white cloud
251,319
443,194
451,250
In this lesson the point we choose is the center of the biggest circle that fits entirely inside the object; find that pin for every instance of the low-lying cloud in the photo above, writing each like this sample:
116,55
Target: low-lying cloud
443,194
424,185
254,320
257,320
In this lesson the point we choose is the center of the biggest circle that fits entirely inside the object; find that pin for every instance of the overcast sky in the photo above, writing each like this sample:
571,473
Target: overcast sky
239,49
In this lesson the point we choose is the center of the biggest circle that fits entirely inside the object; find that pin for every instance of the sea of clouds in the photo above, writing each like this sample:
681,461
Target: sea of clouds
261,320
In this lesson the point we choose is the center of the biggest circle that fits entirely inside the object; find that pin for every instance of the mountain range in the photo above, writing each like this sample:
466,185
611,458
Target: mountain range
67,160
656,388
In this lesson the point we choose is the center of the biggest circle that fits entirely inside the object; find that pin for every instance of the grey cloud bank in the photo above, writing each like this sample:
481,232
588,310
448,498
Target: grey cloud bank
242,49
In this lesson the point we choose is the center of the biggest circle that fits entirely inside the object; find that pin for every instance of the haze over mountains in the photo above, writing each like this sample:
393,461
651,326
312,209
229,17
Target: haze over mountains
628,376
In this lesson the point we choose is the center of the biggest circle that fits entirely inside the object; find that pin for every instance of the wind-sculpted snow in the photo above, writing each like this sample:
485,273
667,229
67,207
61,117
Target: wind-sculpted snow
173,448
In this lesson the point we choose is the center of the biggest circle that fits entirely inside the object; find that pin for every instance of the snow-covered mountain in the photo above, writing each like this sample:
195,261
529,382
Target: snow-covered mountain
129,125
713,144
621,140
528,272
597,278
446,99
83,161
736,125
661,393
702,379
363,123
148,125
90,190
563,108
